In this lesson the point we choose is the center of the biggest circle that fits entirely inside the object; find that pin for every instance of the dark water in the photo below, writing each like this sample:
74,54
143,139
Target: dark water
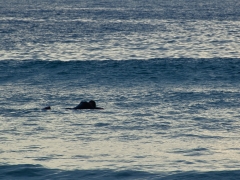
166,73
38,172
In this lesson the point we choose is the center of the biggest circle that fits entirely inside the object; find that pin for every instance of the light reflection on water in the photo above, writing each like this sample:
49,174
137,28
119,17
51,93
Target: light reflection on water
172,39
160,115
113,138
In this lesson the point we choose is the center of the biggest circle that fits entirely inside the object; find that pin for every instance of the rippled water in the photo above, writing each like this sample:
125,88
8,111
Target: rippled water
159,116
119,31
165,72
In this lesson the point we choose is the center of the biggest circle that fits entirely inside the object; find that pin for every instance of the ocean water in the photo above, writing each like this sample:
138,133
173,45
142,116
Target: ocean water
166,73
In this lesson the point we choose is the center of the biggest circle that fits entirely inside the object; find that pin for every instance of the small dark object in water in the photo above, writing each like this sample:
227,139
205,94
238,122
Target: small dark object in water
87,105
47,108
82,105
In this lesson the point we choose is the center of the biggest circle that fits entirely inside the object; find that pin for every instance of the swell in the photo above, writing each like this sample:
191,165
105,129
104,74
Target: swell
164,70
28,171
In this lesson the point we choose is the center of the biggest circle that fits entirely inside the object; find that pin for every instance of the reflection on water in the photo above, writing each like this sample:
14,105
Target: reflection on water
165,141
172,39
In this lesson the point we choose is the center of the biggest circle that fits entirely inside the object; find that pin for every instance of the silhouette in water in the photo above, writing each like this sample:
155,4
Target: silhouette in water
47,108
82,105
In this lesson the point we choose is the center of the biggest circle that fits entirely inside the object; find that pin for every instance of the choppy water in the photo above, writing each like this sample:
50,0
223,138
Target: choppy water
119,30
166,72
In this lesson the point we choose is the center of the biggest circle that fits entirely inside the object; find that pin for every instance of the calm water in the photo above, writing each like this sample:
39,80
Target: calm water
166,73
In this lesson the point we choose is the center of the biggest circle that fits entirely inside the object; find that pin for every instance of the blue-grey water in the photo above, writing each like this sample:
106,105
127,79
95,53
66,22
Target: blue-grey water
167,74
